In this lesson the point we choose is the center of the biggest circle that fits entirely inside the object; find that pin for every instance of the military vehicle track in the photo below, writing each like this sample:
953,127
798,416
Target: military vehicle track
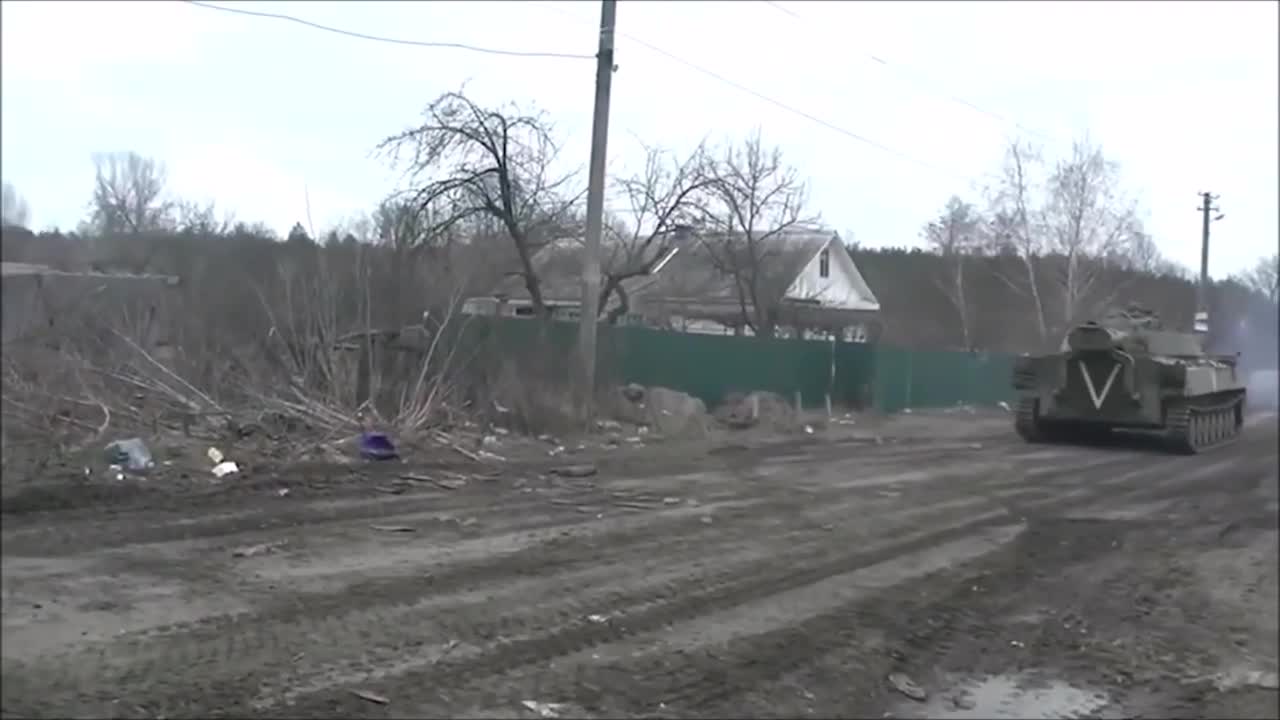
1194,428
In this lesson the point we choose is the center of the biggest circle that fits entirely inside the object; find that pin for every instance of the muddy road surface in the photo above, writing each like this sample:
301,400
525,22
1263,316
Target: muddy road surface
971,577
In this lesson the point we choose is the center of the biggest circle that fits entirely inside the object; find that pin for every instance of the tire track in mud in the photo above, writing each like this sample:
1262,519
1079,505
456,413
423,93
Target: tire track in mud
714,595
728,592
236,644
749,669
255,641
56,533
927,620
746,668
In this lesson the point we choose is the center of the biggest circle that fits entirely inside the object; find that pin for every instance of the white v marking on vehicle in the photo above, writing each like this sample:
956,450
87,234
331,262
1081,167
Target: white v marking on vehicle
1094,395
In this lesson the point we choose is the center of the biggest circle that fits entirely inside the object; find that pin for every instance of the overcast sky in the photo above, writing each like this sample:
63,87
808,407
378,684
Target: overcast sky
255,113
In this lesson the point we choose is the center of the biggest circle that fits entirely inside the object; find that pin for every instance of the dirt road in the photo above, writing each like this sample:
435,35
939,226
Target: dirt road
1002,579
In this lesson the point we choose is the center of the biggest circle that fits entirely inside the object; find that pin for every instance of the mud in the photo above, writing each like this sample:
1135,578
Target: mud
1005,580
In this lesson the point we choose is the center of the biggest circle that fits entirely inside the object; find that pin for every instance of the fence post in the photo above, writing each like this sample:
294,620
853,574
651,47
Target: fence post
910,357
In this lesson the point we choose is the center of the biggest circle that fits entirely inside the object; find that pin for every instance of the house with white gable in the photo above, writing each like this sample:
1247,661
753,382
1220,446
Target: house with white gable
804,283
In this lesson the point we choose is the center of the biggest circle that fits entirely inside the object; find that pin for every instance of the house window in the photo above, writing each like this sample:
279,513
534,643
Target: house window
824,263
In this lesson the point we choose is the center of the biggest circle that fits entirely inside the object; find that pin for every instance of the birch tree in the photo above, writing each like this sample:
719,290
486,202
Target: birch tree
1086,220
955,235
1016,230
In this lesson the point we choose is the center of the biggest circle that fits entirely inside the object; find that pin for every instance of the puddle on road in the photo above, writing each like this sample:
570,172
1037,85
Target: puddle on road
1011,696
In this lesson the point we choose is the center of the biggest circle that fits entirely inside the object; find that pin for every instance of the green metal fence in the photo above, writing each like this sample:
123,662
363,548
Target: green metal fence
926,378
710,367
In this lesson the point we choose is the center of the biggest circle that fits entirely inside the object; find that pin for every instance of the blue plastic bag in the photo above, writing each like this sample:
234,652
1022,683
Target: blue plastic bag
377,446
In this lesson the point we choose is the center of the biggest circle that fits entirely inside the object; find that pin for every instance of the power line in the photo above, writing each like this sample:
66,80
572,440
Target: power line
394,41
918,78
778,103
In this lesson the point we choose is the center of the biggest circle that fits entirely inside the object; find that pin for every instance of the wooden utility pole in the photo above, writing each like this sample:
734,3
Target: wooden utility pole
1202,290
595,207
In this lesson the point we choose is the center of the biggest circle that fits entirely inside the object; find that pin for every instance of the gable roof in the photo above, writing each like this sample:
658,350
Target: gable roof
702,269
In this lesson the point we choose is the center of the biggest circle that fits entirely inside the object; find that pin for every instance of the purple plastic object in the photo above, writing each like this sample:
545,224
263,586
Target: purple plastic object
377,446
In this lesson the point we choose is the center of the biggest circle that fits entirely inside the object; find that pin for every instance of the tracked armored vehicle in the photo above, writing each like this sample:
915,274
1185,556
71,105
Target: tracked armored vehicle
1126,371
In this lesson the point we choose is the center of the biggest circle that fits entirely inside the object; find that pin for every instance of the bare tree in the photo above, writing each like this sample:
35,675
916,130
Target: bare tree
465,161
663,200
1015,230
955,236
400,223
1265,278
1086,221
128,195
13,208
752,198
202,220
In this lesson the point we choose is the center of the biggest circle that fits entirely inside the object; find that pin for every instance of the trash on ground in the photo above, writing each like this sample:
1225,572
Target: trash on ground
223,469
377,446
544,709
255,550
1004,406
393,528
670,501
597,618
116,471
370,697
215,455
808,429
131,454
282,492
574,471
907,686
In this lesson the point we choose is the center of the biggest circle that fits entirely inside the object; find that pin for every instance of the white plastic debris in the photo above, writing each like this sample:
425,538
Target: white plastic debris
544,709
215,456
223,469
1003,405
905,685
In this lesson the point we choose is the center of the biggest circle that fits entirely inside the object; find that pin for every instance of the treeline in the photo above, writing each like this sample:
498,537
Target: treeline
920,313
1055,242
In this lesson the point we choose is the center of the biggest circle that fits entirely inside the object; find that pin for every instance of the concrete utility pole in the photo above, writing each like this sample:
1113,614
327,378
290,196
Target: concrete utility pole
595,206
1202,291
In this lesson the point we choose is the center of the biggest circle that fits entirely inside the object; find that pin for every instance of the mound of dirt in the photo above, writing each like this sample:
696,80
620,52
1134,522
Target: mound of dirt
763,409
